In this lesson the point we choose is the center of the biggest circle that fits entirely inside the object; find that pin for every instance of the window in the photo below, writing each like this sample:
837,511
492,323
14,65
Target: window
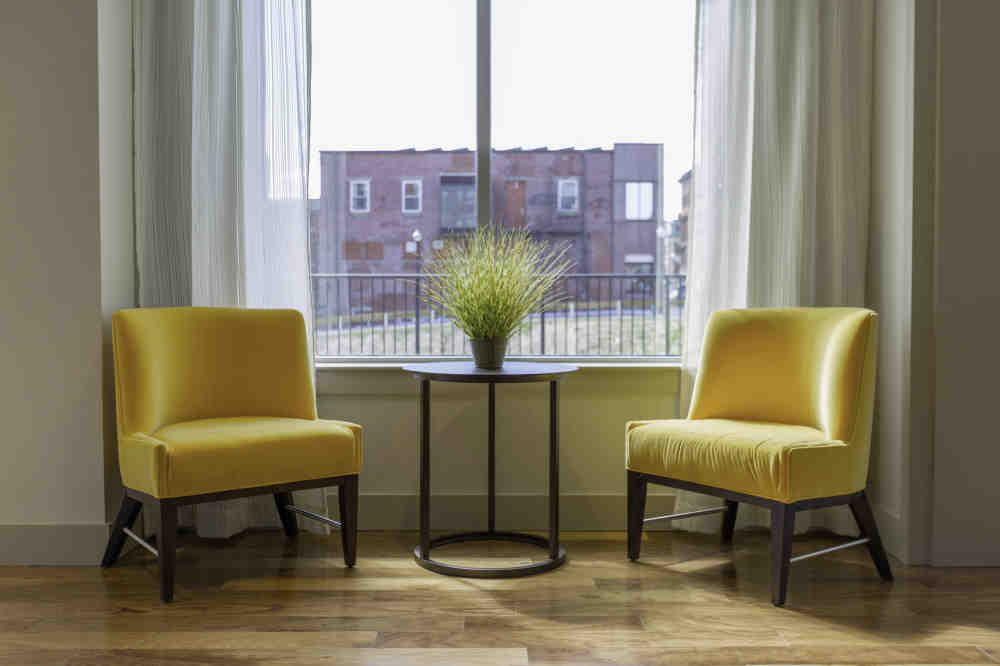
413,196
507,148
458,202
638,201
361,196
356,251
568,195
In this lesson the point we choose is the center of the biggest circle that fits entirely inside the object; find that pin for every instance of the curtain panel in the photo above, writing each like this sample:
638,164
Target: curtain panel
221,171
781,177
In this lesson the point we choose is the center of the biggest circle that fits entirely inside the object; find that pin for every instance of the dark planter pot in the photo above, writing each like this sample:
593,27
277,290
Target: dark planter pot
489,354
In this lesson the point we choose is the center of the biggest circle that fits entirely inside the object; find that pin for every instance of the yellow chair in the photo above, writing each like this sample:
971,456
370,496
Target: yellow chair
215,404
781,417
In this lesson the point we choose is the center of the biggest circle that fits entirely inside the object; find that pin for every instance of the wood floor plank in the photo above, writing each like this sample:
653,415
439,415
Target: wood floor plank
244,640
264,657
210,622
586,638
756,655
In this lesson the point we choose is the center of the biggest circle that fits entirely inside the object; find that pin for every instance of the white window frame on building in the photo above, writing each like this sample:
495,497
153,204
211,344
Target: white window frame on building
640,264
419,196
367,182
640,200
560,183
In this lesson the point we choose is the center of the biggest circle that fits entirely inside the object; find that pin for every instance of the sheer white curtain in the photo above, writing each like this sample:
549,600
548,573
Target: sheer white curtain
222,144
781,181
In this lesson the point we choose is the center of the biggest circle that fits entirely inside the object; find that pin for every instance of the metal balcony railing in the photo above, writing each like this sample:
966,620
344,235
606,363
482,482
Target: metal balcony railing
611,315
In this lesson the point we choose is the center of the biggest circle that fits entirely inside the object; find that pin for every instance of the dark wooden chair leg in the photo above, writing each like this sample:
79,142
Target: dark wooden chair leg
636,502
782,529
288,520
347,496
862,511
167,547
126,517
729,521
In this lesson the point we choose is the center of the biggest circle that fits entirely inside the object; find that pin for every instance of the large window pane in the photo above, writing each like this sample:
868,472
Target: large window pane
592,129
591,123
393,133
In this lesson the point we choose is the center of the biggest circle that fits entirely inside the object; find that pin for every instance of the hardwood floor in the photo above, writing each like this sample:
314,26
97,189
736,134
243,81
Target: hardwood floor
264,599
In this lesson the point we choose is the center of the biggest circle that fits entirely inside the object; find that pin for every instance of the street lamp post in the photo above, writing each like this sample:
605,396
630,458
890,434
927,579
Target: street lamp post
417,240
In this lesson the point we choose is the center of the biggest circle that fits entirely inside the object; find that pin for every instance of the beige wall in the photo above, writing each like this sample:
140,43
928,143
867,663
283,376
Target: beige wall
52,499
966,529
595,404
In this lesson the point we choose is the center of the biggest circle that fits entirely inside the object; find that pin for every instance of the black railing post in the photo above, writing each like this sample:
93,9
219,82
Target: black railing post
417,334
666,313
543,331
682,302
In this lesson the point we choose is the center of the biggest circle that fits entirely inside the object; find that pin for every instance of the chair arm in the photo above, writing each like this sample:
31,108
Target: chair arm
821,469
358,440
143,463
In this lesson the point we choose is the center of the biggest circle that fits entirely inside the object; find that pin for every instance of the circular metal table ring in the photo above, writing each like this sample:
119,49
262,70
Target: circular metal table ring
511,372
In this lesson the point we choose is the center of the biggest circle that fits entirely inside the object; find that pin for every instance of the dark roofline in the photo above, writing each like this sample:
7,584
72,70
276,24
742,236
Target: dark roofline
402,151
546,149
541,149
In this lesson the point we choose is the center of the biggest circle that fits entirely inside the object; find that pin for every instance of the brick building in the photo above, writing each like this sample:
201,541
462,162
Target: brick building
604,203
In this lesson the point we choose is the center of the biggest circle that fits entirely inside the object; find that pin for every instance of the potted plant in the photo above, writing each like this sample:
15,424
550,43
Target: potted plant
489,281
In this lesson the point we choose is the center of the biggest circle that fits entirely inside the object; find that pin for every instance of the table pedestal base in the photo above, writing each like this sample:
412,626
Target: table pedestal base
482,572
512,372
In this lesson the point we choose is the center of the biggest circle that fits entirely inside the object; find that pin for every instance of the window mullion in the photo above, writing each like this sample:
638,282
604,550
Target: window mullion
483,111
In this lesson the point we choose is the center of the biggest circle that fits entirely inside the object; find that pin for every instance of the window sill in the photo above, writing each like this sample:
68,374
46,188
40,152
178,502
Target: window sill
386,378
329,365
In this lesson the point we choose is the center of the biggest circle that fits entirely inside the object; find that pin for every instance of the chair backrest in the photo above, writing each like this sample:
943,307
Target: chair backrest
798,366
182,364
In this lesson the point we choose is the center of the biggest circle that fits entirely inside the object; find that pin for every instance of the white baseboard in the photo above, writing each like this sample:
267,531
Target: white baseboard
577,512
55,545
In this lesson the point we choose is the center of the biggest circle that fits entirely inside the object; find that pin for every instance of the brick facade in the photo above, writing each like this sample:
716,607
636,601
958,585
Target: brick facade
525,192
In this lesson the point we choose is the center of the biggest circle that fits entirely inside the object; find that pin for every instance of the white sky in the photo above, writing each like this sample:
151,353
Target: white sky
391,74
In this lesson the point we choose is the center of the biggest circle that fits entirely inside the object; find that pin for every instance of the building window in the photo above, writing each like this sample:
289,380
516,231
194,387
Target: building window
568,196
413,196
360,250
458,202
638,201
361,190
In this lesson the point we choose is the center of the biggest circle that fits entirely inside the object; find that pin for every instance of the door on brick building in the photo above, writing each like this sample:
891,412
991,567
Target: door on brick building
515,201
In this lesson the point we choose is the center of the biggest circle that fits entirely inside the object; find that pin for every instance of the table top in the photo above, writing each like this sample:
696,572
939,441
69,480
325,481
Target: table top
512,371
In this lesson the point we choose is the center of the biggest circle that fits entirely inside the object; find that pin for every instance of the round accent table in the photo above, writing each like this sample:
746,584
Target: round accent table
511,373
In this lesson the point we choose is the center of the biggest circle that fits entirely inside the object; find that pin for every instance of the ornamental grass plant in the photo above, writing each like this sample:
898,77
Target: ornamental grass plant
489,281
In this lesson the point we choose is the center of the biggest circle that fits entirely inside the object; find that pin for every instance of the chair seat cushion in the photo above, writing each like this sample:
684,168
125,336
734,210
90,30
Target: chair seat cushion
786,463
215,455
